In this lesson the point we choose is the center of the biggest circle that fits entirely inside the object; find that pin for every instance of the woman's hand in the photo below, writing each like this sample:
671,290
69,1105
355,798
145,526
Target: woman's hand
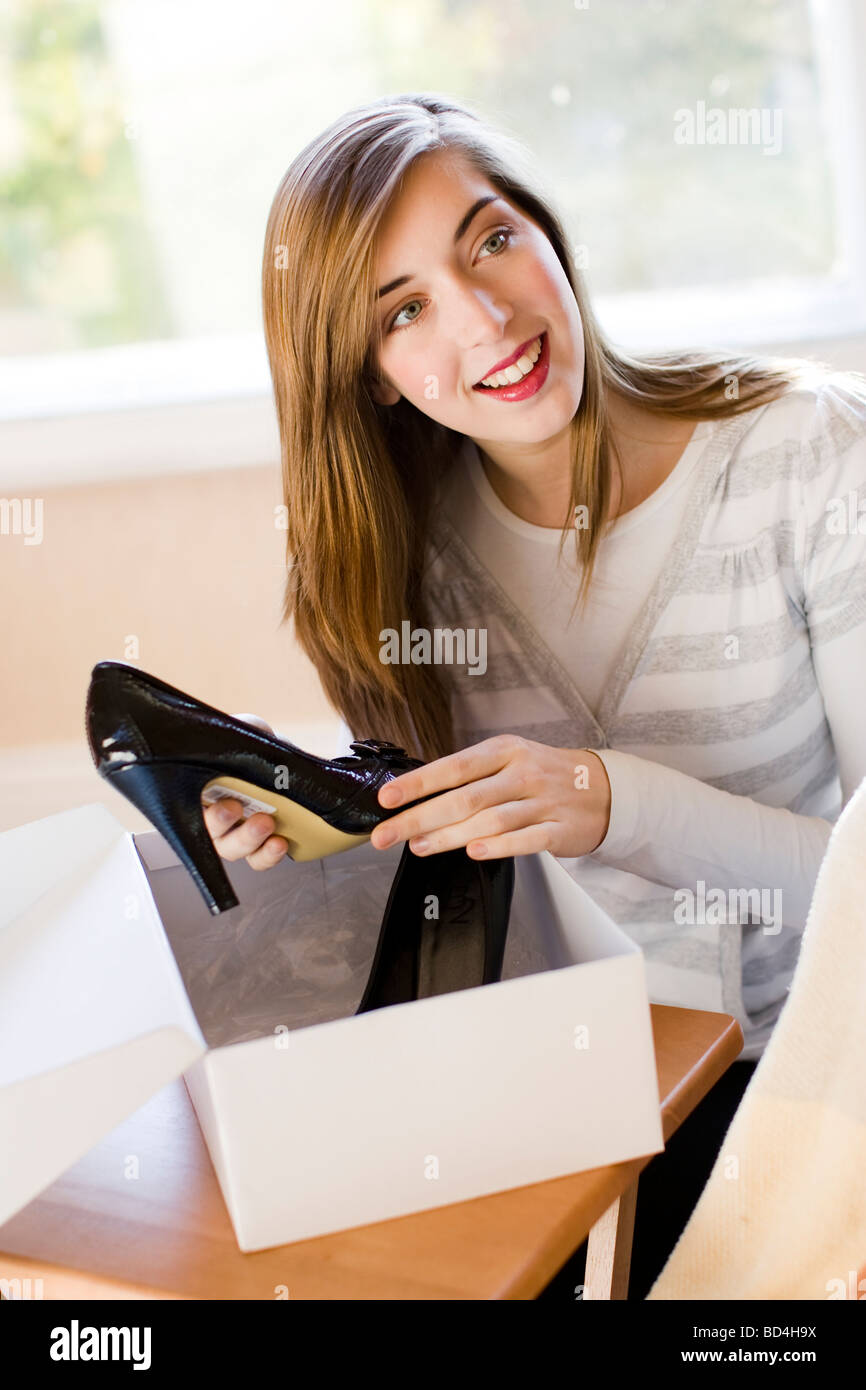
236,838
511,796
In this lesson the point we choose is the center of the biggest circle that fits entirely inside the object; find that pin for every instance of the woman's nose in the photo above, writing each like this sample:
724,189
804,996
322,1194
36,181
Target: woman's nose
480,319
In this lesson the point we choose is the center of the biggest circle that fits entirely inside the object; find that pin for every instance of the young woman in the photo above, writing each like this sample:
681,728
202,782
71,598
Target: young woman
660,557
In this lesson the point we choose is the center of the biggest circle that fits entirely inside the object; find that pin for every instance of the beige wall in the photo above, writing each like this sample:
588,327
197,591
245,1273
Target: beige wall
190,565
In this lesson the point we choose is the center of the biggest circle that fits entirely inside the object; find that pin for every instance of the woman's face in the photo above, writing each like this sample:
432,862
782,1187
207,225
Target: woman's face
473,293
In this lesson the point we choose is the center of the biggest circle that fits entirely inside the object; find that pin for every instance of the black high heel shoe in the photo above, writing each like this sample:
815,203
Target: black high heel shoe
446,919
431,940
165,751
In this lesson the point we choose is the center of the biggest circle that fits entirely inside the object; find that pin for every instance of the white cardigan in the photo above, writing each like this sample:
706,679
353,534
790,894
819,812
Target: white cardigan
727,774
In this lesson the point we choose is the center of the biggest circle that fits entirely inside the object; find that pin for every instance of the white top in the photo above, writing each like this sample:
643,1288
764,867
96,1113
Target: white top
524,560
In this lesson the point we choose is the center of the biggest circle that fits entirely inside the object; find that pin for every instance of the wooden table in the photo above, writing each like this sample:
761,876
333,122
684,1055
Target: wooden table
95,1234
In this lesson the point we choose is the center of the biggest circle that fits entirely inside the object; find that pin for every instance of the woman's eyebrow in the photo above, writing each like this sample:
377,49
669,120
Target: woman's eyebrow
463,227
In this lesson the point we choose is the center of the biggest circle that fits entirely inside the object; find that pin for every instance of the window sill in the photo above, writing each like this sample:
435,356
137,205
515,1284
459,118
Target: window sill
121,445
146,410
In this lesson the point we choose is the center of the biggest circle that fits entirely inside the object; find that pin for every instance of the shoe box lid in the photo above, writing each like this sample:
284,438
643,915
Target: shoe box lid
94,1017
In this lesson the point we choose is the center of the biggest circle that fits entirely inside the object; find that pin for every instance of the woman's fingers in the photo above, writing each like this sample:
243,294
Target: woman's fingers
220,816
235,838
273,849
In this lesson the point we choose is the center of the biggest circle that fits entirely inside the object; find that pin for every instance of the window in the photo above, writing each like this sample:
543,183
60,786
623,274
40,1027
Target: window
708,161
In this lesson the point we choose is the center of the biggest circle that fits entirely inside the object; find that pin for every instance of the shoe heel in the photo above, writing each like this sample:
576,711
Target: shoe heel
169,795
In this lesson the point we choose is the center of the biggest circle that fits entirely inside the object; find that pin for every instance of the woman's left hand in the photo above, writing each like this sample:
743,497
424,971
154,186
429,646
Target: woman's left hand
510,796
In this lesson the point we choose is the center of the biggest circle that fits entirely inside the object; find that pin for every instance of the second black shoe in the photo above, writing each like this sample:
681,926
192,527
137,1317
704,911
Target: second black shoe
443,929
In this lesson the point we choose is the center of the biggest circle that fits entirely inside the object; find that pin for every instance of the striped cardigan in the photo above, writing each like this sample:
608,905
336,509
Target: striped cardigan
763,557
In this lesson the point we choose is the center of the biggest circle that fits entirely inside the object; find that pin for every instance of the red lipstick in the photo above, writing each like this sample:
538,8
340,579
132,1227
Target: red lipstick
528,385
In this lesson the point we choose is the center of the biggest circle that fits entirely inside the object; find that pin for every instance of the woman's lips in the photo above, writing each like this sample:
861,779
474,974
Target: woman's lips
528,385
515,357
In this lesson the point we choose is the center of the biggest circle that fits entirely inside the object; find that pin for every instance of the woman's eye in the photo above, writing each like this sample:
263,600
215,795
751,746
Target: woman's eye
506,232
395,324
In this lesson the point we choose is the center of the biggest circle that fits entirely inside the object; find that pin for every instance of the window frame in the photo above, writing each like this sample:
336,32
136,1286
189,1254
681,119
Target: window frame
144,409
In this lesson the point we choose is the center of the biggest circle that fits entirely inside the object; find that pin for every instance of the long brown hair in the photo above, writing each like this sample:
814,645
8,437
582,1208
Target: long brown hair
358,477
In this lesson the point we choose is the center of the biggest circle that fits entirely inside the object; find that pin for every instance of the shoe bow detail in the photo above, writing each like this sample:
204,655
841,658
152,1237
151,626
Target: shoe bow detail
388,752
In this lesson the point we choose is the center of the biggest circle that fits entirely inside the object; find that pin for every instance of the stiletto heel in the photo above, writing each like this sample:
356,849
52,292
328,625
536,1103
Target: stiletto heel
170,796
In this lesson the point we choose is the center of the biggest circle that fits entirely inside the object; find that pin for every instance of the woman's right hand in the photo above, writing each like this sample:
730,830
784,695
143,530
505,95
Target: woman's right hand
236,838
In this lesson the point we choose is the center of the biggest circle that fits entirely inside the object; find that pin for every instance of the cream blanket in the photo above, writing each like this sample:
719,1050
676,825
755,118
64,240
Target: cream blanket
783,1213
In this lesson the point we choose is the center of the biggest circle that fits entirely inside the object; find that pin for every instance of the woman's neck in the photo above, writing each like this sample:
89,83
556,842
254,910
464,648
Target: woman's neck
536,486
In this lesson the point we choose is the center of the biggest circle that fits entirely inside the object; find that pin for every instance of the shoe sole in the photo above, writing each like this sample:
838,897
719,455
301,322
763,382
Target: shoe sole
309,836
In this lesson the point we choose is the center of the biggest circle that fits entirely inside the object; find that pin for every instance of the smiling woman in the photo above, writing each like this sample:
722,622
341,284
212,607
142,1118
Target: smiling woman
452,417
409,252
691,732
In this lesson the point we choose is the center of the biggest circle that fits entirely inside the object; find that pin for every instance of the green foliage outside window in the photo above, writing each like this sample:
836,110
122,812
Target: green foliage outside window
75,248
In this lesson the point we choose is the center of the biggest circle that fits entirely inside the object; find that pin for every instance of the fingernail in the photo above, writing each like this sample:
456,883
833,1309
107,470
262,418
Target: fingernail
384,838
